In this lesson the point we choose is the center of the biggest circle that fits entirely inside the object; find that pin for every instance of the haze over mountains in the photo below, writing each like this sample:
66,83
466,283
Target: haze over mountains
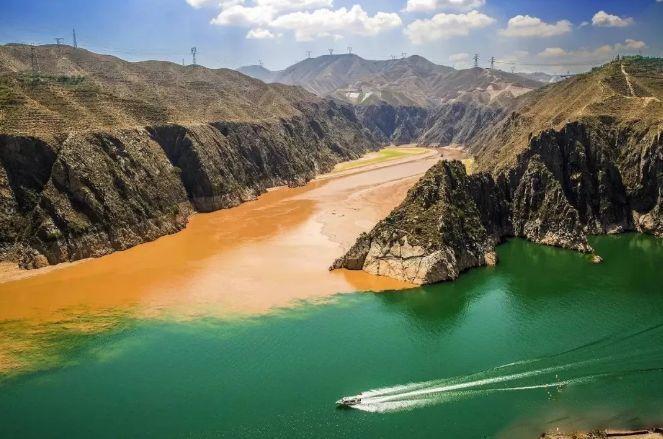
411,81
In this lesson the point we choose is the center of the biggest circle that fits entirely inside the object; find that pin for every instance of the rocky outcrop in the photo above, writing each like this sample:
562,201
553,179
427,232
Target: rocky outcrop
459,122
566,185
90,193
393,124
580,157
444,226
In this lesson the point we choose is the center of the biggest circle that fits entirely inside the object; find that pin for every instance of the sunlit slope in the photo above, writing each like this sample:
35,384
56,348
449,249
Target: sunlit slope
624,94
74,89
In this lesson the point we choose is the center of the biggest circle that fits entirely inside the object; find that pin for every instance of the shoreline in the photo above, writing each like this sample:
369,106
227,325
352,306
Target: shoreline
11,272
238,260
647,433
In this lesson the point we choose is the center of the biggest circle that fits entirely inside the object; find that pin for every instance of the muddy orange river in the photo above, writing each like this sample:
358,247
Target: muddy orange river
249,259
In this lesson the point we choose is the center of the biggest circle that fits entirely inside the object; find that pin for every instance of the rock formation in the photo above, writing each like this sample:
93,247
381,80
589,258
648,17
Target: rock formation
69,191
597,169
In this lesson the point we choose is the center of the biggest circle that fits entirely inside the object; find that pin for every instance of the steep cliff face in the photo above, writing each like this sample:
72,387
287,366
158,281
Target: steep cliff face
436,233
460,122
594,167
90,193
99,154
393,124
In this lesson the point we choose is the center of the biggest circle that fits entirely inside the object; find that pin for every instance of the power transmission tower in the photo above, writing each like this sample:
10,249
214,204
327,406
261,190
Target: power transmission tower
403,55
58,41
308,53
476,60
260,62
182,62
513,69
194,51
331,51
393,57
349,50
492,63
74,38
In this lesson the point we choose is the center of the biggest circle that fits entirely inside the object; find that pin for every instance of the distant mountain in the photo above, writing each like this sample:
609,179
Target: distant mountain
411,81
580,157
541,77
259,72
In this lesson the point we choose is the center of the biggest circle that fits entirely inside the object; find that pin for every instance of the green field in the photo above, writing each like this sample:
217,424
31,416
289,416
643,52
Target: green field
386,154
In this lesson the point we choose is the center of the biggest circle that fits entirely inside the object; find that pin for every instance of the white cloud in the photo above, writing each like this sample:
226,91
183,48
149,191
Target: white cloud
446,25
603,19
553,52
198,3
222,4
261,34
431,5
239,15
595,56
635,44
235,13
457,57
308,25
527,26
294,5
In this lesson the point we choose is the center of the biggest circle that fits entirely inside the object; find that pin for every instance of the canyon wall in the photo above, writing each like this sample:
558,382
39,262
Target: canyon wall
85,194
587,178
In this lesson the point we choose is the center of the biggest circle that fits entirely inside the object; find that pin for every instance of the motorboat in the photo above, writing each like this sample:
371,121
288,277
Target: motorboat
348,401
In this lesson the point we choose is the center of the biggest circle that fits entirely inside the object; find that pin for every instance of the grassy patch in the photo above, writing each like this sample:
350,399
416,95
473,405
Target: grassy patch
30,78
470,165
384,155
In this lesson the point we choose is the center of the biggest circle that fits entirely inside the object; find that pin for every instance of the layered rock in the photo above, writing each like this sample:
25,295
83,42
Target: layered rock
444,226
581,157
90,193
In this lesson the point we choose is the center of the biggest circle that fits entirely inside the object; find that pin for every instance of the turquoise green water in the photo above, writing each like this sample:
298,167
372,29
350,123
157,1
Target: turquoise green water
587,342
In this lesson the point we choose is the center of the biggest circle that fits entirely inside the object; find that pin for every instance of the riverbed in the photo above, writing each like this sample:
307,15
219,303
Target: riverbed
235,328
247,260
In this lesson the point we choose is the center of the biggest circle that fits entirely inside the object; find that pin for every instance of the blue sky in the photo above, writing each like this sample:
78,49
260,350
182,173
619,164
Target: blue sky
548,35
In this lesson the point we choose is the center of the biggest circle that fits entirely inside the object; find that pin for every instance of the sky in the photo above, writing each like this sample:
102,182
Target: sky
554,36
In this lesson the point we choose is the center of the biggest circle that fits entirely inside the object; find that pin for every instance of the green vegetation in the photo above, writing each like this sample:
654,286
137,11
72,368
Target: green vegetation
32,78
7,95
384,155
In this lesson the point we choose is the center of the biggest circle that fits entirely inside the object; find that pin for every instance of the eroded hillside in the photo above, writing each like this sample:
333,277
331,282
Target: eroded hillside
584,156
99,154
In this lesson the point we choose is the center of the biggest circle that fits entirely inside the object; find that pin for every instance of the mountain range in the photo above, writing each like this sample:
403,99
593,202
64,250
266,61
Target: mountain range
411,81
579,157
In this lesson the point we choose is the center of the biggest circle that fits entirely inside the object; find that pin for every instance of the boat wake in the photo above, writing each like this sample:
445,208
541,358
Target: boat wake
526,375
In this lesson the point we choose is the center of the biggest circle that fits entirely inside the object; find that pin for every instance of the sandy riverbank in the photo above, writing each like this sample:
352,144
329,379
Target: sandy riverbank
249,259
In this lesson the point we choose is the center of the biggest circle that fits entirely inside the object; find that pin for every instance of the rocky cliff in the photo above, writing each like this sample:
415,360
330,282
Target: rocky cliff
594,166
82,183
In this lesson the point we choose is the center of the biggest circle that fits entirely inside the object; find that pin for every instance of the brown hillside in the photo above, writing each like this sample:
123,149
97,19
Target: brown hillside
74,89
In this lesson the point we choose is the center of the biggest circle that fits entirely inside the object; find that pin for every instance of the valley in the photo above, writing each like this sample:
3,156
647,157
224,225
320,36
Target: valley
219,252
